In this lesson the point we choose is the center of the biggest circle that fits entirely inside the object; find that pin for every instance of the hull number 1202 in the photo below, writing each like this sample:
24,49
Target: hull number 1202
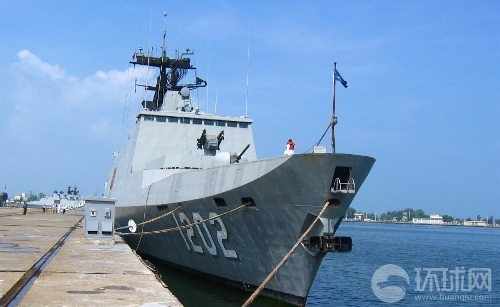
203,236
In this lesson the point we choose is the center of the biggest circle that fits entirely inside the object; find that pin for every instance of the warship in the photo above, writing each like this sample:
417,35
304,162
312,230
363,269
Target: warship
190,192
60,200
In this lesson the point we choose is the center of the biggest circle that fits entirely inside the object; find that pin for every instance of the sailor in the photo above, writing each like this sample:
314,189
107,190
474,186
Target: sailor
25,208
290,148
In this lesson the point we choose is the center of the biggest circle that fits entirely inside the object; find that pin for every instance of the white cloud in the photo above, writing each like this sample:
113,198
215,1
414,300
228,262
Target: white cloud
32,63
46,104
54,121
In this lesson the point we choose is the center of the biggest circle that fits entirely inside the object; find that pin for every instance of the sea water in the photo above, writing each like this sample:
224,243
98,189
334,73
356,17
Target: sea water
390,264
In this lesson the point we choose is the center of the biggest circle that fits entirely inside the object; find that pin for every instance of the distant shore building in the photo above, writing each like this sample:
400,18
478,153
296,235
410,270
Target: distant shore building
434,219
475,223
359,217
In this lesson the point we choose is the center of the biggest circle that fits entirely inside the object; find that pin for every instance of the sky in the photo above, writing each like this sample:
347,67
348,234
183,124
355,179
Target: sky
423,94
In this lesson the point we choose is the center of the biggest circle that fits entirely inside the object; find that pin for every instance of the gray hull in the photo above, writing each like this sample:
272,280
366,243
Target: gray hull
243,247
203,165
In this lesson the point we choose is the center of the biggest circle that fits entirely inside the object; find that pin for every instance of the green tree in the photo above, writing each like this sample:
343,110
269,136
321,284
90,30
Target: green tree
419,213
448,218
386,217
32,197
350,213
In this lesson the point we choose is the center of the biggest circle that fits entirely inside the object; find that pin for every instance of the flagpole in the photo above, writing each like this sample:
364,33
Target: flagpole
334,119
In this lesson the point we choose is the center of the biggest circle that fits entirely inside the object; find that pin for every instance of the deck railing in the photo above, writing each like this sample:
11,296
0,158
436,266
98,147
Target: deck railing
343,187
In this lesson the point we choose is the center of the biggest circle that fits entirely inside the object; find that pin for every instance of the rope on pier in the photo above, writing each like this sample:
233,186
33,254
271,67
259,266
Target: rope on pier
188,225
285,259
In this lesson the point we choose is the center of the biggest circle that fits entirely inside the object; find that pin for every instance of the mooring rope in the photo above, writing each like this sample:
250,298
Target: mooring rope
285,259
188,225
143,218
151,220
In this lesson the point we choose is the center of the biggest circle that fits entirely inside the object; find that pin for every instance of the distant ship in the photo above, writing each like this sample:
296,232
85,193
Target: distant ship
60,200
190,192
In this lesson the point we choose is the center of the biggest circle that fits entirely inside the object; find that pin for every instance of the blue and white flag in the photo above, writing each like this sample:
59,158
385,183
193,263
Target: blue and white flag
339,78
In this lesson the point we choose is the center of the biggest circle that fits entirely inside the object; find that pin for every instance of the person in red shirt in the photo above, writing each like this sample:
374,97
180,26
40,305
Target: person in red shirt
290,148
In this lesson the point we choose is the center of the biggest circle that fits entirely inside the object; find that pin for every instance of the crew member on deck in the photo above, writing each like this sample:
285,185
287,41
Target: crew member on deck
290,148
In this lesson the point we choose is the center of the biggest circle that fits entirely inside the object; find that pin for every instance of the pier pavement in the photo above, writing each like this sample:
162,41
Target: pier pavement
45,260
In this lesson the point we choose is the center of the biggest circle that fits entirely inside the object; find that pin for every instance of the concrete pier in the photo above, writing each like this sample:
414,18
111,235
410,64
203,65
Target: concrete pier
61,267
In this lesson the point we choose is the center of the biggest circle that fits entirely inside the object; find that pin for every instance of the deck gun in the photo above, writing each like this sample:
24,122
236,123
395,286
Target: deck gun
236,159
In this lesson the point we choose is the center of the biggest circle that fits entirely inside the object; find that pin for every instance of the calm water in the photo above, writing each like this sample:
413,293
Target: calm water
345,279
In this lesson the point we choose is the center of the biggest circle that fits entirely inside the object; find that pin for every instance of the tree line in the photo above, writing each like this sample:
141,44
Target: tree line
409,213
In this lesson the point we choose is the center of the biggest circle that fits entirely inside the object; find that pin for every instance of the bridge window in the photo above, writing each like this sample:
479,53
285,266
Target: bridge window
173,119
161,119
209,122
232,124
186,120
197,121
243,125
221,123
149,117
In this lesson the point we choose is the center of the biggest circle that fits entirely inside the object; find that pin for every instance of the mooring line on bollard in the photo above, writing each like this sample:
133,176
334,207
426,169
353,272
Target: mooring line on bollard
285,259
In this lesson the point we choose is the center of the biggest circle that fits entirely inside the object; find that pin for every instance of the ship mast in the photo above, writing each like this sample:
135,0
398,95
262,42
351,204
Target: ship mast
334,119
336,77
166,80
